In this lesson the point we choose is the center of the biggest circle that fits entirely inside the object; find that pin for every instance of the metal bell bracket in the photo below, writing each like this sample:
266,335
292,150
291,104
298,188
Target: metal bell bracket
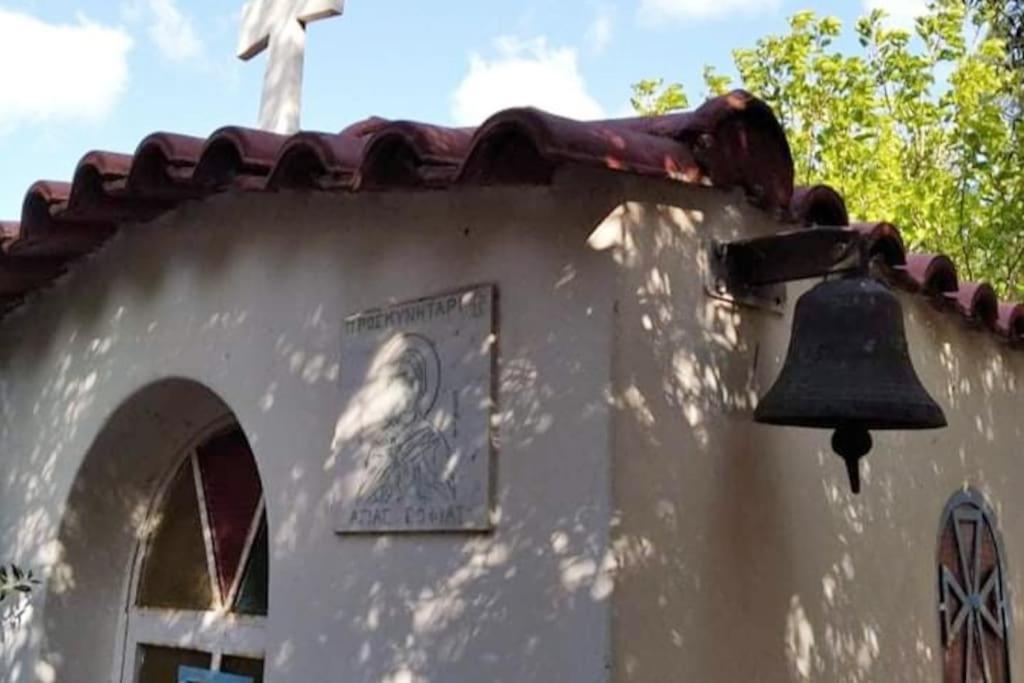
749,272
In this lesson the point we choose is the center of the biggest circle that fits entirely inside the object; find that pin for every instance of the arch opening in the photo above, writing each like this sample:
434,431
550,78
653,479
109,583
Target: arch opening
162,546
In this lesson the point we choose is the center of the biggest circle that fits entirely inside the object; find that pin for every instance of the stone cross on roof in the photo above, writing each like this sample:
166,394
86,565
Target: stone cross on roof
281,26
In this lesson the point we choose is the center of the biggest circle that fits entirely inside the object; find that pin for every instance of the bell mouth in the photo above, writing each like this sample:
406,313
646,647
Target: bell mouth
808,413
837,422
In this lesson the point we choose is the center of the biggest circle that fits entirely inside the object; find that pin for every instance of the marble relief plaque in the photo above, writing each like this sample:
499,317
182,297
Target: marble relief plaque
417,384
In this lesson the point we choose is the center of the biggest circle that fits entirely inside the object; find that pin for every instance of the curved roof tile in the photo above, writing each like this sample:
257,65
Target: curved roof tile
732,141
525,145
1010,322
162,167
237,156
406,154
819,205
885,241
317,161
932,275
977,302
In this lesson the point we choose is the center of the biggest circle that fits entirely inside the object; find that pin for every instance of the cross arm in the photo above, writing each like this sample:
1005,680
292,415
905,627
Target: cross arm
261,18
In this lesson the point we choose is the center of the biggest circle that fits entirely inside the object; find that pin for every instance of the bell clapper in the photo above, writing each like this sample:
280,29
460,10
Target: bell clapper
851,443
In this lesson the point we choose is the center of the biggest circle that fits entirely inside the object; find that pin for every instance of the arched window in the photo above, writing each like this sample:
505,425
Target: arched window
972,599
199,594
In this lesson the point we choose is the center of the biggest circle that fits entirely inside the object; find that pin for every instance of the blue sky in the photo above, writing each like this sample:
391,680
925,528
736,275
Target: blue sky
102,74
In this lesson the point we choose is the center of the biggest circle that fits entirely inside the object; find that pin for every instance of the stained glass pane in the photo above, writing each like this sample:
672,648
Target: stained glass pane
175,573
252,594
231,486
243,666
161,664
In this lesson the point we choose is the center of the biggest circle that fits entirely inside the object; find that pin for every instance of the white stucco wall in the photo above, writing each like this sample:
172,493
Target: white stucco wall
246,295
646,527
741,554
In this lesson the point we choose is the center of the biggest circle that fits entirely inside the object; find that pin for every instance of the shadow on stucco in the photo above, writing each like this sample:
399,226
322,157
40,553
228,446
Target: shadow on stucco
766,567
730,551
106,516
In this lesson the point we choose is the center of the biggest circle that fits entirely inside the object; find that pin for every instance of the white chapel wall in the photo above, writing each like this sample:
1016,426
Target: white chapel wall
138,447
246,296
707,547
740,553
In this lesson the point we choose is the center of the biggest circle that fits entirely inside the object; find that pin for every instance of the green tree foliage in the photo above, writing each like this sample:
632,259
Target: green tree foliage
921,129
1006,19
651,95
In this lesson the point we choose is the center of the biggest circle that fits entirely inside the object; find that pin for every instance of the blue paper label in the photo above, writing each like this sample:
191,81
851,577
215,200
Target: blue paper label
188,674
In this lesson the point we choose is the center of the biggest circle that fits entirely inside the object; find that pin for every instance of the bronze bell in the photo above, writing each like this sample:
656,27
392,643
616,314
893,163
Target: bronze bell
848,369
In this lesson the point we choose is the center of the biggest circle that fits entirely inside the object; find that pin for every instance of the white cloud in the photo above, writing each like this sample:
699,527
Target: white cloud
170,29
899,13
59,71
599,35
525,72
657,11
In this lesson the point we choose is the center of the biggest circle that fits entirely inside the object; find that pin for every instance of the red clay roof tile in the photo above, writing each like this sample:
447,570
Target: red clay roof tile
322,161
237,156
1010,322
732,141
932,275
406,154
819,205
977,302
884,240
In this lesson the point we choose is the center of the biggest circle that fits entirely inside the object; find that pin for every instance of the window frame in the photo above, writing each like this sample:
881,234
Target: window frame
971,497
217,631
